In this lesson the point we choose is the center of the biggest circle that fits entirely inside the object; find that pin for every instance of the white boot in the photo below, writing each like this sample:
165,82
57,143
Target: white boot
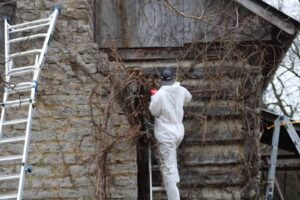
172,191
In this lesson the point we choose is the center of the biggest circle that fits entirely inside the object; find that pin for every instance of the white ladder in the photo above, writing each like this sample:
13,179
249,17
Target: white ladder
285,121
152,188
9,97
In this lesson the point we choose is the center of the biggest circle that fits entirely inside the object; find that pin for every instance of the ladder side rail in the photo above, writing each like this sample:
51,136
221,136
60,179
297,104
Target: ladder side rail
6,45
45,46
26,142
7,63
292,133
25,153
1,121
273,160
8,60
150,171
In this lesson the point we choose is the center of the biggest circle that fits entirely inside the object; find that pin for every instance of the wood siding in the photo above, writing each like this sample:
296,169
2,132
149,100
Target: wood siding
143,23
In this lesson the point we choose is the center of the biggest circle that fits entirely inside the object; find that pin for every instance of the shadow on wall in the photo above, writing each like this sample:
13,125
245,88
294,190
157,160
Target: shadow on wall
7,10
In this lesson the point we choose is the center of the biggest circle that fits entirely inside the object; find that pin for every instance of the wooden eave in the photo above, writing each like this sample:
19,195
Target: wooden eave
272,15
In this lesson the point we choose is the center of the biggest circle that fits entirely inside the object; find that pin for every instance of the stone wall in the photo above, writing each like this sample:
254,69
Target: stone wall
62,150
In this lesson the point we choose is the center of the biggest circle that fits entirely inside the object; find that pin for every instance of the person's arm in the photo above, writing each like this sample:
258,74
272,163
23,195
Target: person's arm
188,96
155,105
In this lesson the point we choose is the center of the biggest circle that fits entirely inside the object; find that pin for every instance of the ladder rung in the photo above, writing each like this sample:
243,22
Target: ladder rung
16,103
29,28
29,23
158,189
23,53
9,158
12,139
31,37
22,70
155,167
16,121
8,177
9,196
21,87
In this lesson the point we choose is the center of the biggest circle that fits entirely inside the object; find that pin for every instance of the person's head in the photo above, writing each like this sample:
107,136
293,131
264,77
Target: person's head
167,77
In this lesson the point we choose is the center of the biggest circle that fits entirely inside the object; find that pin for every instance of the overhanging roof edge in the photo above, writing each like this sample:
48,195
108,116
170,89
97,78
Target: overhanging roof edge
272,15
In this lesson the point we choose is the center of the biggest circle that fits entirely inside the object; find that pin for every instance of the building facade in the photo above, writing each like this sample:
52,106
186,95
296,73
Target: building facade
83,145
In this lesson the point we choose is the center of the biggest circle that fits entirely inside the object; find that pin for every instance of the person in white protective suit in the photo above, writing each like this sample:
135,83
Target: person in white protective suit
167,107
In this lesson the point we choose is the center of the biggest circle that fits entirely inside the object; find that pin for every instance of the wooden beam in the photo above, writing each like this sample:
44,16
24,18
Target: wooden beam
266,14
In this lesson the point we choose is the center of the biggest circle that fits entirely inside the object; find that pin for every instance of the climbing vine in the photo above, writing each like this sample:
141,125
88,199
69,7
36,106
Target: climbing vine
226,78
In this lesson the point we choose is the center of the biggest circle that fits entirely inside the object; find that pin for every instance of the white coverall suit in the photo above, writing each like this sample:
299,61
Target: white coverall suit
167,108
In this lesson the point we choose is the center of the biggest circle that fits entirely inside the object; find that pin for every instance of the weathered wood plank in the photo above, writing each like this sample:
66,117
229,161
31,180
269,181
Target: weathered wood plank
143,23
207,154
115,22
205,176
219,108
212,130
215,88
210,193
208,70
278,21
157,26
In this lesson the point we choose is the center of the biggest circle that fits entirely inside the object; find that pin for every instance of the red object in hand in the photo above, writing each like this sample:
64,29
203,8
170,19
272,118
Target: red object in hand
153,91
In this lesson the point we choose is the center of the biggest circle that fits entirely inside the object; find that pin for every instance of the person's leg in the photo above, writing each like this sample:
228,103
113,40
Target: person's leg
171,188
168,157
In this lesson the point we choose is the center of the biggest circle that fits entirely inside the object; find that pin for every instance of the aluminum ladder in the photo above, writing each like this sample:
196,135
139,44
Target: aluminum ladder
12,40
152,188
280,121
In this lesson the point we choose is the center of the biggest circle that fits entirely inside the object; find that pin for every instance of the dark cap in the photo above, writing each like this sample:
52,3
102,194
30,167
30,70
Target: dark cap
167,75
